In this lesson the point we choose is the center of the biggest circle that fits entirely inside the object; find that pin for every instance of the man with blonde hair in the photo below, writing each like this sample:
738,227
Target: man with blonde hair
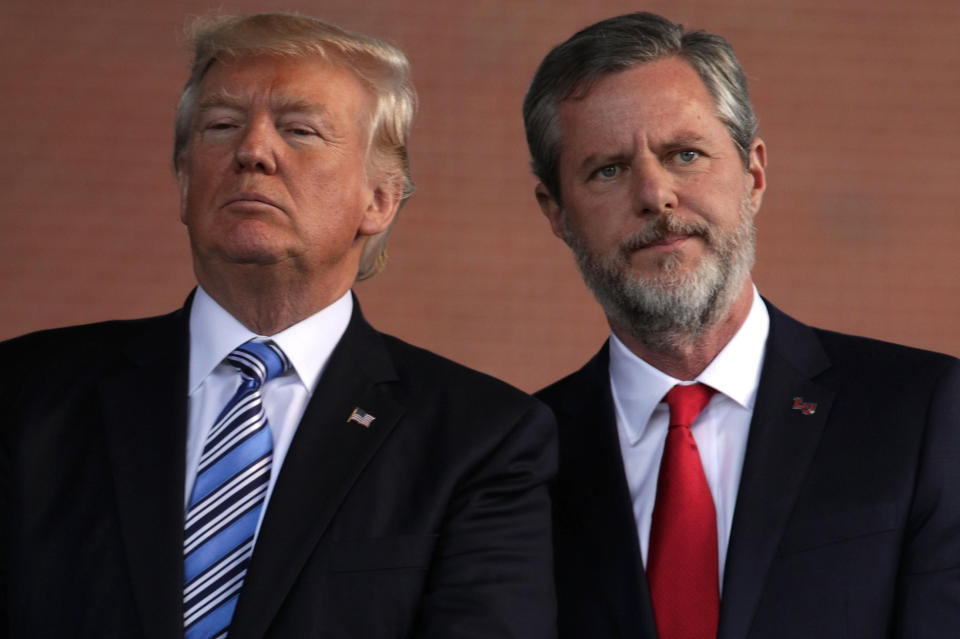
262,463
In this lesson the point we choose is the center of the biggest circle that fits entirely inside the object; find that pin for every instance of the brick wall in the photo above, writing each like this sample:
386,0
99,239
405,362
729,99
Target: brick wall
858,104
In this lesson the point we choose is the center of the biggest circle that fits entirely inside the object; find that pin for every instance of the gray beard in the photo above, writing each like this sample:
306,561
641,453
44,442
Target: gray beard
670,308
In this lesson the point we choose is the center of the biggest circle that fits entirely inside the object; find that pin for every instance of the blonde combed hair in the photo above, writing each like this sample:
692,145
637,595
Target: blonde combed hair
383,68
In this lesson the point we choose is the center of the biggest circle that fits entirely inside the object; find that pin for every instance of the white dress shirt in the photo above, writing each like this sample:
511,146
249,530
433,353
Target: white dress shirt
214,334
720,430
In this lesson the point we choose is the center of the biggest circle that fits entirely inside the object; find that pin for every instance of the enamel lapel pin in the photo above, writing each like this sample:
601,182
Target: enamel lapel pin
807,408
361,416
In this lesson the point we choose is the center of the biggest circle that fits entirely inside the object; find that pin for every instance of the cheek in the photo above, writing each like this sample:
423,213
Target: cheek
595,231
326,211
197,195
604,208
709,200
332,190
203,181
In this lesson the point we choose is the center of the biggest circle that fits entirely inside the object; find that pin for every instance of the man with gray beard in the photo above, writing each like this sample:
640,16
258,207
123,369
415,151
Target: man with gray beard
725,471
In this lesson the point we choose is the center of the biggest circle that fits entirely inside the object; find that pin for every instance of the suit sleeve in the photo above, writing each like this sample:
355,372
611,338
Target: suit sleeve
491,575
5,507
9,394
928,596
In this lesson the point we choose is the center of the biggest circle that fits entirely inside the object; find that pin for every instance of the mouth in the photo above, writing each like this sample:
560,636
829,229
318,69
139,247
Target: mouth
668,241
250,199
666,234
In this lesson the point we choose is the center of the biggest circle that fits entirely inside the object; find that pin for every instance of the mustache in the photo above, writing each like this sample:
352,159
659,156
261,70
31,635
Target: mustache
663,226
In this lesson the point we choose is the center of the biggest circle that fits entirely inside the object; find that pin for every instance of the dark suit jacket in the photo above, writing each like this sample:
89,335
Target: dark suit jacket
847,521
432,522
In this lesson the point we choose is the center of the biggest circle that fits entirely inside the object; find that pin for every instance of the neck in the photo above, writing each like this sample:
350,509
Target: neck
269,300
686,356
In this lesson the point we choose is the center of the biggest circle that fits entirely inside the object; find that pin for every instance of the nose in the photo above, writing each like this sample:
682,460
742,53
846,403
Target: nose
655,189
257,148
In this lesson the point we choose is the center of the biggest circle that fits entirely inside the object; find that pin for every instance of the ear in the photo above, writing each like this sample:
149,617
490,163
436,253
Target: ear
757,170
551,208
183,186
382,208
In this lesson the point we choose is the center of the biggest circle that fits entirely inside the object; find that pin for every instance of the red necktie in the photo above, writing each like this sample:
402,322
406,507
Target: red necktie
682,561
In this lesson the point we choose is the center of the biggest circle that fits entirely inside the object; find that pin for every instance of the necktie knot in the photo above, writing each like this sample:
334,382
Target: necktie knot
259,361
686,401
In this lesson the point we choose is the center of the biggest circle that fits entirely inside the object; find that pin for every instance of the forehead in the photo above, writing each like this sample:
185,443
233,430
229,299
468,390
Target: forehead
283,83
659,99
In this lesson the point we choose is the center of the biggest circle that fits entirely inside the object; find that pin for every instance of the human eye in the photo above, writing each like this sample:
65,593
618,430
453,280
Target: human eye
218,119
217,130
682,158
300,131
298,128
607,172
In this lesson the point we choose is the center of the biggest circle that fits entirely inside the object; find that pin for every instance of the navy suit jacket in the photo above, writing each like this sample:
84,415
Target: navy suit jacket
432,522
847,520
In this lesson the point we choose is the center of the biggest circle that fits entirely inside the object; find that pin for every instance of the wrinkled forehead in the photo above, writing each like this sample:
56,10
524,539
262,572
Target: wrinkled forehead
283,84
303,72
645,83
662,97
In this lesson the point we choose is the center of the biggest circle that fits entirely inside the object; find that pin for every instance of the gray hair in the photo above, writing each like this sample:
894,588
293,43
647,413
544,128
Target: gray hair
381,67
571,69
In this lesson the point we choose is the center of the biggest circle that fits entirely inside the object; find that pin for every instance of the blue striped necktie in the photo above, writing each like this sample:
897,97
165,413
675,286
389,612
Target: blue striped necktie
227,496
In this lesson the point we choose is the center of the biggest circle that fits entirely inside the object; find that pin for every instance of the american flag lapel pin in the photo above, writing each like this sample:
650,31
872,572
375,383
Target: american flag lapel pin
361,416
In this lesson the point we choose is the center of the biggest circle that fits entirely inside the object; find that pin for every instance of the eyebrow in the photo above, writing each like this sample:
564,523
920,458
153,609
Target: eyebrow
281,105
685,138
680,140
602,158
220,99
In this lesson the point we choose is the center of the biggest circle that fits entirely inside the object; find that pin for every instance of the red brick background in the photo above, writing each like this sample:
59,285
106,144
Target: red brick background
859,104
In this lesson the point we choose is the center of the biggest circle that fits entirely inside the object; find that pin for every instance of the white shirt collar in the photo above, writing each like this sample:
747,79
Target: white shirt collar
735,372
214,333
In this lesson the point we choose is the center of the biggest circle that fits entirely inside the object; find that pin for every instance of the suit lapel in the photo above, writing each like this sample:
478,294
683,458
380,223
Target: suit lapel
781,444
144,407
600,525
326,456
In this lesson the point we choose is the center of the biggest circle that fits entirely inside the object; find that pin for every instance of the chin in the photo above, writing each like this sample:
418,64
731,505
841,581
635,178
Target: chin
246,252
667,267
252,243
253,256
